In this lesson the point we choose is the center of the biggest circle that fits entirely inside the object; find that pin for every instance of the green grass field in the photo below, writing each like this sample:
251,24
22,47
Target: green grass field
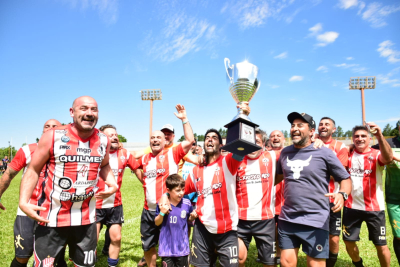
131,251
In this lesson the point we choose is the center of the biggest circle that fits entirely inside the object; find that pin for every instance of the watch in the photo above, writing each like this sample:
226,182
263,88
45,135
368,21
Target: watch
345,196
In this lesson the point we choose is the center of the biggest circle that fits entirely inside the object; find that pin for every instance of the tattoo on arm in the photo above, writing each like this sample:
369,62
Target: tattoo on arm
6,179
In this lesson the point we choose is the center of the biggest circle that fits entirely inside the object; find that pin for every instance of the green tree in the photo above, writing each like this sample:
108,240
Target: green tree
223,132
387,130
24,144
5,151
182,138
339,132
122,139
348,134
37,140
200,137
285,133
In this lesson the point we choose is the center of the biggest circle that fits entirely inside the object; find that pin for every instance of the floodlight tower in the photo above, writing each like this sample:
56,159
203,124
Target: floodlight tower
151,94
361,83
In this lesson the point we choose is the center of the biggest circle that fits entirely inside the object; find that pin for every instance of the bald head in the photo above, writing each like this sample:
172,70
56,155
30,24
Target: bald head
277,140
82,99
50,124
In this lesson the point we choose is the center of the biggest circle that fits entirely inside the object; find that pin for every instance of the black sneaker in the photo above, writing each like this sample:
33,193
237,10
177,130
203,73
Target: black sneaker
142,262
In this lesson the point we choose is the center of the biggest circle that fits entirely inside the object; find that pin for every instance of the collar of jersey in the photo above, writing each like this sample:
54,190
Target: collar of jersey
220,157
80,139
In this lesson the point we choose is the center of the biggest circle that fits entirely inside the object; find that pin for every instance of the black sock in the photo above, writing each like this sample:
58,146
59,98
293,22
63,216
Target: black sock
396,248
16,263
359,263
332,259
61,261
107,240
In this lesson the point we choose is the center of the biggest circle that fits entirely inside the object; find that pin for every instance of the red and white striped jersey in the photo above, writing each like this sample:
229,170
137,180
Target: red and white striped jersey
21,161
118,161
215,185
279,197
156,169
366,177
255,190
342,154
73,173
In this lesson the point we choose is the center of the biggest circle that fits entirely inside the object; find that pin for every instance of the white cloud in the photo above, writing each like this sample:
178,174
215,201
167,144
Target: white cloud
388,78
349,58
322,38
345,4
327,38
296,78
315,29
396,119
354,67
385,50
300,60
282,55
108,9
273,86
181,35
376,14
254,13
322,68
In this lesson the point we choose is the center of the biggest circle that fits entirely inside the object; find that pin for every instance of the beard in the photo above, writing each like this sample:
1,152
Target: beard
300,142
276,145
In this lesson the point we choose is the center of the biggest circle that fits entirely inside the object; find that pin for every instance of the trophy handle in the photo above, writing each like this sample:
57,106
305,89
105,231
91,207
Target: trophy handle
226,60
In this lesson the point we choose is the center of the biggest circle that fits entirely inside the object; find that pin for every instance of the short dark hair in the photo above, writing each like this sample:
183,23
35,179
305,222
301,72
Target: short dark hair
212,130
358,128
174,180
102,128
327,118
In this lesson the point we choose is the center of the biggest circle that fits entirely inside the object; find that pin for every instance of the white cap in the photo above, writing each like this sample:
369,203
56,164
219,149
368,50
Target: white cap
168,127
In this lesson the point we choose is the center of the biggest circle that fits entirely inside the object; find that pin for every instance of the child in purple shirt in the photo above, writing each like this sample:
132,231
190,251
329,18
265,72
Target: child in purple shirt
174,241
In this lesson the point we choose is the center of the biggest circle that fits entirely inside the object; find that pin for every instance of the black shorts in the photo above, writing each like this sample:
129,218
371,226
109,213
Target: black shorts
149,231
110,216
204,245
263,232
175,261
314,241
81,240
335,221
375,220
24,228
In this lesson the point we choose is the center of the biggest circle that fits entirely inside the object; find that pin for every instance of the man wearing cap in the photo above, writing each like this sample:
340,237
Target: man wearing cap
392,192
304,219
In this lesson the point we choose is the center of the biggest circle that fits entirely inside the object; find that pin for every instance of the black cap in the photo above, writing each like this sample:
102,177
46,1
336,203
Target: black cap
304,116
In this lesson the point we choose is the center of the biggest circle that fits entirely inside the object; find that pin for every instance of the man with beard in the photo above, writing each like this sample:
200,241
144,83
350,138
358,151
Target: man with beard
157,166
23,225
326,128
392,191
255,194
304,219
366,202
77,155
109,211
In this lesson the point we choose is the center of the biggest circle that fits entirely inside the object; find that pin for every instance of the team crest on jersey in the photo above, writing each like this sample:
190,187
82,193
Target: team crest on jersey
65,183
102,150
162,158
65,139
48,262
183,214
265,161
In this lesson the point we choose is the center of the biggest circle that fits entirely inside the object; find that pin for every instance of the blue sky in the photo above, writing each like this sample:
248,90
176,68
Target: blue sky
54,51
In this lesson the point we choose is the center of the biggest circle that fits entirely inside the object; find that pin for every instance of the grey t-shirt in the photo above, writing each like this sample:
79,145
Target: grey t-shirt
307,172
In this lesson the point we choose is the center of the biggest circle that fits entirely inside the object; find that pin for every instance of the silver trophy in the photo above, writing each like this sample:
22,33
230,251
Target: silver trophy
243,85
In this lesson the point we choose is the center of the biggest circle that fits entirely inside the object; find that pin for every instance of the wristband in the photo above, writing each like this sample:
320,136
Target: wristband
184,122
162,214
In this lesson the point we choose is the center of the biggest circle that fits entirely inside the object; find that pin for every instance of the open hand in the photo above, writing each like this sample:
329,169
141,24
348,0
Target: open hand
181,112
31,211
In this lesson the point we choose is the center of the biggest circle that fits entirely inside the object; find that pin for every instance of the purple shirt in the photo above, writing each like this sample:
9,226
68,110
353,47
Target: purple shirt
174,240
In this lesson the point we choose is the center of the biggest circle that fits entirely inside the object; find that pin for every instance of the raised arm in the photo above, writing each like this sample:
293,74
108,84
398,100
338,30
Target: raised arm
187,128
386,155
39,159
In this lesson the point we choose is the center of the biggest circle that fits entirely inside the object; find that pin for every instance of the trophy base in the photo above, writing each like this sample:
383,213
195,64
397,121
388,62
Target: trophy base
241,137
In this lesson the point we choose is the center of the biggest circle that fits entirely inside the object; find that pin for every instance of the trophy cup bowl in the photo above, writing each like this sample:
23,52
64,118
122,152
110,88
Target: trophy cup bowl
243,85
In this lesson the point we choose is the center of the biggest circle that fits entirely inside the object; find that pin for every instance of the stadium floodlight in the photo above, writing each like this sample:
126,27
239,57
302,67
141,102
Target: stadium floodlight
361,83
151,94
